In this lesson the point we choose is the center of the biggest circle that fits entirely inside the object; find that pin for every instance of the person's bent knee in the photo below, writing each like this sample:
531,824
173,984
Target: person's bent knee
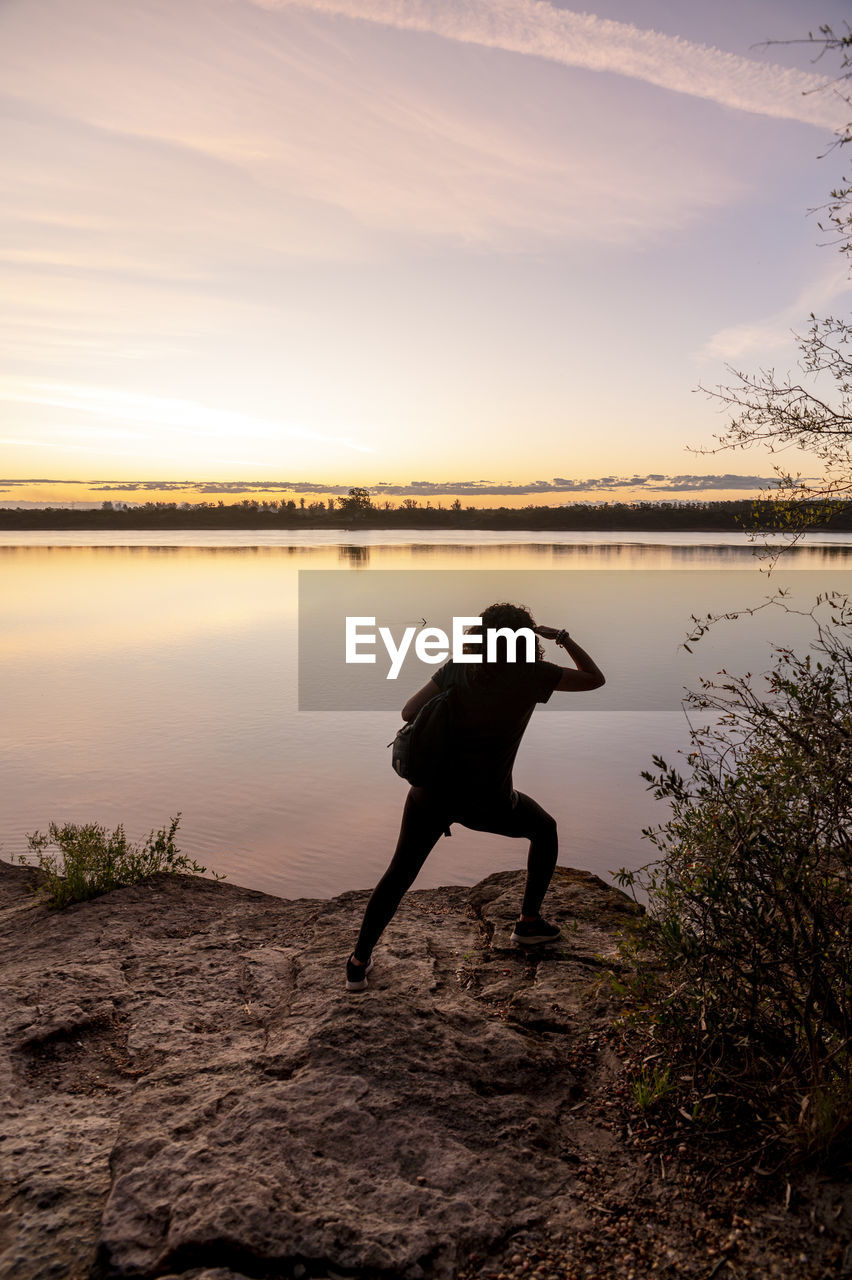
546,828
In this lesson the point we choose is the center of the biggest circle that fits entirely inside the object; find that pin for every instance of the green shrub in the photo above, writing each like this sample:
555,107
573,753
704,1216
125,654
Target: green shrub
745,955
81,862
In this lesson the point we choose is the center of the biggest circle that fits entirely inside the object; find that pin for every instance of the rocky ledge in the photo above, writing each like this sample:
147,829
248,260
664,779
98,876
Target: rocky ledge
188,1089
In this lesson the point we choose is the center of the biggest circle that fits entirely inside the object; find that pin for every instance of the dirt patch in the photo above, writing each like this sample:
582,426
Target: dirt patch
89,1057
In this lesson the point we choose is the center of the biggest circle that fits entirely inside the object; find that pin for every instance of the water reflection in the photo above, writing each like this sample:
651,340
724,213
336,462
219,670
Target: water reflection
139,680
814,549
355,556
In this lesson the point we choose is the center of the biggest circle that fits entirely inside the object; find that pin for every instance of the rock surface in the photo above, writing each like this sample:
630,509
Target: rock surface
188,1084
189,1090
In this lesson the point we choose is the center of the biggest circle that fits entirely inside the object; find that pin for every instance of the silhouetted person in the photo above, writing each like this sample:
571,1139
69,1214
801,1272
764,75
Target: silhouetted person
493,704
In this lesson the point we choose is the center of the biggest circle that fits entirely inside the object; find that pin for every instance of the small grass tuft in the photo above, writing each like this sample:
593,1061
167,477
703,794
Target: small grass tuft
650,1087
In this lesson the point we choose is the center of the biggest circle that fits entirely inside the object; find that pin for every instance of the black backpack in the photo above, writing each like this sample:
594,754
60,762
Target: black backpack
423,748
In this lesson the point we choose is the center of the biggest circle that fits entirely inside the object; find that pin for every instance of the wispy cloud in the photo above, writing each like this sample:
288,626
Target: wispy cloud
301,228
188,416
599,44
653,484
329,144
763,339
30,444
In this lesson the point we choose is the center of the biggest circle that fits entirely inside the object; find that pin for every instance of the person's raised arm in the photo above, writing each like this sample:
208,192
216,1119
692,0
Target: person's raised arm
588,674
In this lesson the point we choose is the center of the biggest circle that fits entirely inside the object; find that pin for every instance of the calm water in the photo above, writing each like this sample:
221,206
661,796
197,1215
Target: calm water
146,674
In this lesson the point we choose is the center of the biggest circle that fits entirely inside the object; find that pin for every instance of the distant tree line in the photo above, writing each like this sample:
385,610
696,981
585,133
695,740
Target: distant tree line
358,510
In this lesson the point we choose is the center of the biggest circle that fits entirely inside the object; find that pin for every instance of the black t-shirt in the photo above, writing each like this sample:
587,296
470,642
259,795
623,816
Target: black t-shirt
493,708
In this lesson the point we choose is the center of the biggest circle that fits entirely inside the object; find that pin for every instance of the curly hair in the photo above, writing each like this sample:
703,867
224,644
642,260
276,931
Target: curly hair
499,615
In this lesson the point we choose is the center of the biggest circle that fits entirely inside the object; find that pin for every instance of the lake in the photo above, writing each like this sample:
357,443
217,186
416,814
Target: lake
145,674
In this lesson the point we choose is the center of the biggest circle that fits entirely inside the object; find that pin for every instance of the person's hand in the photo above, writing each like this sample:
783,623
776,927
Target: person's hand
548,633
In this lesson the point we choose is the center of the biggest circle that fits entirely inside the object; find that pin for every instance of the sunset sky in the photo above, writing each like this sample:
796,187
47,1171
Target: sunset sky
450,245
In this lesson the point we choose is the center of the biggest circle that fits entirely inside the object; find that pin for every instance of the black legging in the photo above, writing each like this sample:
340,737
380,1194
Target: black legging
425,818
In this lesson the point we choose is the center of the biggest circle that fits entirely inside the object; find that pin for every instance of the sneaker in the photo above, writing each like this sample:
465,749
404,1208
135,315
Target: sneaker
356,975
530,932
